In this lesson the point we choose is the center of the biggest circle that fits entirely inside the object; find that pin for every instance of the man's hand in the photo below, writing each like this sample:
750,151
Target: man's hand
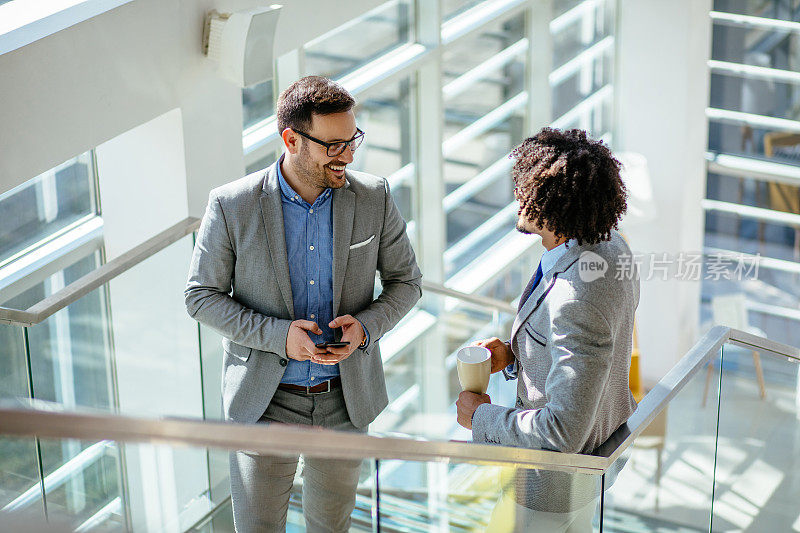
466,405
299,345
502,356
352,332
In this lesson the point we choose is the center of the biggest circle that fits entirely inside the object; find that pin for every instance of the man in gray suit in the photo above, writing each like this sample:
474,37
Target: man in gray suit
571,341
282,264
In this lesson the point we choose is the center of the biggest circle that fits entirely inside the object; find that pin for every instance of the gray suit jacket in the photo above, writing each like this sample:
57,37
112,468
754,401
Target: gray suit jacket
239,286
572,340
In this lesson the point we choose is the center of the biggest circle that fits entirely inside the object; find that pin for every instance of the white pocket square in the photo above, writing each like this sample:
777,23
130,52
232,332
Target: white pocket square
362,243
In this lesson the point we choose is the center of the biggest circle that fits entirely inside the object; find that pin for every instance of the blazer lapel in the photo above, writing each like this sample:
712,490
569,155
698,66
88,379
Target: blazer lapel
543,288
344,201
272,215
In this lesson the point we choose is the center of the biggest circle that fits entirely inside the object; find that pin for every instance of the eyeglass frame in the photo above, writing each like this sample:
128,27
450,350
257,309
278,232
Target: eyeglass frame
359,135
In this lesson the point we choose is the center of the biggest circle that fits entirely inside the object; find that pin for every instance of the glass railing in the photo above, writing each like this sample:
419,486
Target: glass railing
668,482
757,476
704,449
125,474
115,339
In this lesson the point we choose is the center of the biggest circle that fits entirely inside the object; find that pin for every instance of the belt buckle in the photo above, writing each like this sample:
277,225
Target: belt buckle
308,389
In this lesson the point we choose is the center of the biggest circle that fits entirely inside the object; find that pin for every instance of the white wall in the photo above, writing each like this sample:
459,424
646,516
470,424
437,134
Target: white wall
662,92
142,176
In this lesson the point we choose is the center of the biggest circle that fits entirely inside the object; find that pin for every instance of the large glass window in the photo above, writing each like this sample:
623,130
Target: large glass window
453,8
753,198
753,81
45,205
484,106
360,41
385,115
258,103
485,110
264,162
68,352
583,67
339,52
773,9
576,33
769,98
581,82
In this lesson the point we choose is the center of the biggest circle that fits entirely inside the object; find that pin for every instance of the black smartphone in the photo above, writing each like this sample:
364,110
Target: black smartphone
332,344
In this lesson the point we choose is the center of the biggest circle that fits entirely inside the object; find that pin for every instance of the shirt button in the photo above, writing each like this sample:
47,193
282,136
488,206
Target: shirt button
295,197
312,315
311,211
311,282
312,378
311,247
284,362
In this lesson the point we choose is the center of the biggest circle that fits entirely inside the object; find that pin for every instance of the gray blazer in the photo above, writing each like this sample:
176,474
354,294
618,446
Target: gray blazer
239,286
572,340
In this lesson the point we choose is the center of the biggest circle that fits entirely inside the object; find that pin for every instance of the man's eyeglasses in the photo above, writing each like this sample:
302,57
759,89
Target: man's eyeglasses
336,148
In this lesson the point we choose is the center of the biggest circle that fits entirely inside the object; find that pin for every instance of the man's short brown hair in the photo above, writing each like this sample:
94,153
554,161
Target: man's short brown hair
308,96
569,184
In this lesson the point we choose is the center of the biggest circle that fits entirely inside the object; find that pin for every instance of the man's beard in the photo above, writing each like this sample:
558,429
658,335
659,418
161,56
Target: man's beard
313,174
522,229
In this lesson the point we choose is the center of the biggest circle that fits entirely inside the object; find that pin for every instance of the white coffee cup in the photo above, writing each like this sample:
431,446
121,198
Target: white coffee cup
474,368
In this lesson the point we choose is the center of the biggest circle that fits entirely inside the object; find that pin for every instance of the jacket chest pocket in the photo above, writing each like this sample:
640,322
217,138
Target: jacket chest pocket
363,246
534,335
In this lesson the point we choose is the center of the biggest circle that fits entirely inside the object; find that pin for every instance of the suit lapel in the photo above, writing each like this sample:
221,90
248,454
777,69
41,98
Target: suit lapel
543,288
344,201
272,215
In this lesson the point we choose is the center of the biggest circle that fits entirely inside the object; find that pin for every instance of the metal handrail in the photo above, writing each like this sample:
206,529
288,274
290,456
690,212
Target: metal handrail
483,301
290,440
98,277
278,439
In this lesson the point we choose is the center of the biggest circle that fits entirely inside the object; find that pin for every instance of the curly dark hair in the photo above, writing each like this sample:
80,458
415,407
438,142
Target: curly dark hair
570,184
308,96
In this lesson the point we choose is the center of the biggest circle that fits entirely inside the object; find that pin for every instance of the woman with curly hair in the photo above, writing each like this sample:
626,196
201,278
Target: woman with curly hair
571,340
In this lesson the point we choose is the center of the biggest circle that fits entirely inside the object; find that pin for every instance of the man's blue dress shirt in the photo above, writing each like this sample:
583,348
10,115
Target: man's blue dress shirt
309,248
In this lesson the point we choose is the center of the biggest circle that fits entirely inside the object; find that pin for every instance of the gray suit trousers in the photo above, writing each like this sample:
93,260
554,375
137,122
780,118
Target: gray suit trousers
260,484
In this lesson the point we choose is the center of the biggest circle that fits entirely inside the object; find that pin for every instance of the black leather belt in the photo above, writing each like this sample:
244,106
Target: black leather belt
314,389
